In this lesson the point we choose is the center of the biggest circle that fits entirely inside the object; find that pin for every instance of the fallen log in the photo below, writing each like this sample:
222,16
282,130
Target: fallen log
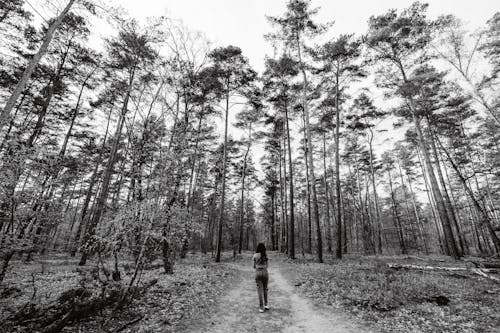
412,257
484,263
415,258
478,271
426,268
437,268
483,274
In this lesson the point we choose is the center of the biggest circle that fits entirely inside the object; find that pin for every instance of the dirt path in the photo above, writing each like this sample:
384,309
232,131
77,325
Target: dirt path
289,313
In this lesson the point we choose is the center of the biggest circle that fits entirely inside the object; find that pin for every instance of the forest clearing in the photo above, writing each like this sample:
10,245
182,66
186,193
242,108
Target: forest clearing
175,172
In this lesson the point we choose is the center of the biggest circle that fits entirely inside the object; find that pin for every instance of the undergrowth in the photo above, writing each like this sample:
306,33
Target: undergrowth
401,301
167,306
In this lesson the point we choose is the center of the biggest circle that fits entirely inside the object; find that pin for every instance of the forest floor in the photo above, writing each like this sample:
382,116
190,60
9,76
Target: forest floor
400,300
357,294
170,305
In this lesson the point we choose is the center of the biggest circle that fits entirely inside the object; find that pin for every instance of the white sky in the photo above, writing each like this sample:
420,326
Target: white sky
242,22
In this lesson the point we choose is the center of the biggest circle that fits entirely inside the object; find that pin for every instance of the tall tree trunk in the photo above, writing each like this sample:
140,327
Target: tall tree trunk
279,208
459,227
291,227
345,242
308,190
282,230
54,173
407,207
444,190
273,222
444,217
167,253
399,228
312,176
193,164
108,172
88,195
327,205
432,204
5,113
417,216
223,192
28,144
74,115
441,207
486,220
242,210
286,234
73,220
375,194
366,227
475,231
338,252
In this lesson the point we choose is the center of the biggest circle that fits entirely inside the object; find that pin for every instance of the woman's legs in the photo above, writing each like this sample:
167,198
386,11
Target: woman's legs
260,291
262,278
265,280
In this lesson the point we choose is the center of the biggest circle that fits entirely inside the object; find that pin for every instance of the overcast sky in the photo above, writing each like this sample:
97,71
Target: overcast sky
243,23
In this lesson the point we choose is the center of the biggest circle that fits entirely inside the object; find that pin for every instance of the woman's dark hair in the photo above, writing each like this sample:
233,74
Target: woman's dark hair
261,248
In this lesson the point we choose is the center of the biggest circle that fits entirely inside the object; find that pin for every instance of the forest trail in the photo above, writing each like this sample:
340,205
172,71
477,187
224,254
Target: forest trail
289,312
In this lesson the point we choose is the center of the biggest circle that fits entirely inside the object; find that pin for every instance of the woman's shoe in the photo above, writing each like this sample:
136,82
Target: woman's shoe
261,310
266,307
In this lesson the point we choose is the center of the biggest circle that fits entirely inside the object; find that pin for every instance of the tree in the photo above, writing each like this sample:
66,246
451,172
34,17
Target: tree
30,68
365,113
129,53
277,77
462,50
402,41
295,25
388,163
234,74
455,110
247,119
357,159
340,67
23,139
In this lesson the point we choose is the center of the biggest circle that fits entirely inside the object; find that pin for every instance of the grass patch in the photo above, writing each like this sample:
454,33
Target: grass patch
401,301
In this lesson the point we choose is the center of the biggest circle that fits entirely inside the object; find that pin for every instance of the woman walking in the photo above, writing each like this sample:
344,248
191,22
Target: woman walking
261,275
